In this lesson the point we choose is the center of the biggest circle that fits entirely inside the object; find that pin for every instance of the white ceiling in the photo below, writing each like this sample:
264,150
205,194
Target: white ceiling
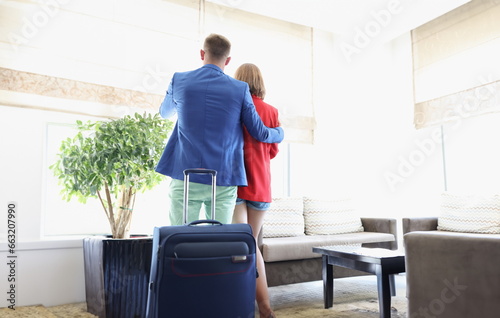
388,18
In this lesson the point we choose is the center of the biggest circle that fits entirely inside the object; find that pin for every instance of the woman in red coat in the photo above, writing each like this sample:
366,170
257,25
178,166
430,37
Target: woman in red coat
255,199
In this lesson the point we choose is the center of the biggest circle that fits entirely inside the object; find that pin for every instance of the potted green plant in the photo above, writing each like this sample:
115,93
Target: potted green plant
112,160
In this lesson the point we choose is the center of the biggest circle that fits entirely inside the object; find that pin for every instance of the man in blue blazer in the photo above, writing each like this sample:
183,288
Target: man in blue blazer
211,108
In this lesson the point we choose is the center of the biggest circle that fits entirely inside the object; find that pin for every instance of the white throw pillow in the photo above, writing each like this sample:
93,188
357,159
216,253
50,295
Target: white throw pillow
470,213
284,218
331,216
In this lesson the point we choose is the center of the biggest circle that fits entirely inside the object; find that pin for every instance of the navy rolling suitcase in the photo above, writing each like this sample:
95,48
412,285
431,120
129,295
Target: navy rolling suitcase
202,269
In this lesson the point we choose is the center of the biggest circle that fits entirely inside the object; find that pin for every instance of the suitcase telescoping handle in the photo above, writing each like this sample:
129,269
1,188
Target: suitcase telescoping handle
187,172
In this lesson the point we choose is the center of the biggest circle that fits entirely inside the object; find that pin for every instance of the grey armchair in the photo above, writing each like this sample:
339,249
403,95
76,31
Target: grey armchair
450,274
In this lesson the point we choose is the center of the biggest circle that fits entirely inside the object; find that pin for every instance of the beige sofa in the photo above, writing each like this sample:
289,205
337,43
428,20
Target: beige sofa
294,226
452,260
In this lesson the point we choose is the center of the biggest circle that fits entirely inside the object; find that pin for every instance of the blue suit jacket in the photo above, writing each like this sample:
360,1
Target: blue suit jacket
211,108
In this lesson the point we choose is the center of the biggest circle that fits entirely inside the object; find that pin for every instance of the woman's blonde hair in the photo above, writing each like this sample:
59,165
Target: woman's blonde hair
251,74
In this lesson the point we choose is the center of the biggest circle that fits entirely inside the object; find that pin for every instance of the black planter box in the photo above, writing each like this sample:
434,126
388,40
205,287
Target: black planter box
117,276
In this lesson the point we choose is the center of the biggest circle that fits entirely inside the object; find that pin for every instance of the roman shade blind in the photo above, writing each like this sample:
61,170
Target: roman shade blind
456,64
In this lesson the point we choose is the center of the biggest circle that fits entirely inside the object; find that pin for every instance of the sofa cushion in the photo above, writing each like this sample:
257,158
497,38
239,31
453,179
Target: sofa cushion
470,213
291,248
284,218
330,216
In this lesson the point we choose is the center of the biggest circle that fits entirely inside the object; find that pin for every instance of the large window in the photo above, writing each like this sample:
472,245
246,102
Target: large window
457,91
32,138
61,217
73,218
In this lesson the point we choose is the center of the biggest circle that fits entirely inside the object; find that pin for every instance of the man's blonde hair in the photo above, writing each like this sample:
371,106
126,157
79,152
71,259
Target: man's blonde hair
251,74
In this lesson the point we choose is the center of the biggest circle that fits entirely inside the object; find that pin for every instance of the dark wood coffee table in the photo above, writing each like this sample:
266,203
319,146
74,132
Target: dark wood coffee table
381,262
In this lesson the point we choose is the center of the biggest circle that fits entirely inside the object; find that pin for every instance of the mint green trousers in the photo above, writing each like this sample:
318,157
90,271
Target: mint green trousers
201,195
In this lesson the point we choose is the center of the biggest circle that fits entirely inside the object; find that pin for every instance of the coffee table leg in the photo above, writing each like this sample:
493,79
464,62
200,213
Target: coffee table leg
384,294
327,282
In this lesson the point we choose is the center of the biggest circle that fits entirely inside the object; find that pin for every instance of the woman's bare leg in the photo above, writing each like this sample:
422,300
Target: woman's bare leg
244,214
240,214
256,219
